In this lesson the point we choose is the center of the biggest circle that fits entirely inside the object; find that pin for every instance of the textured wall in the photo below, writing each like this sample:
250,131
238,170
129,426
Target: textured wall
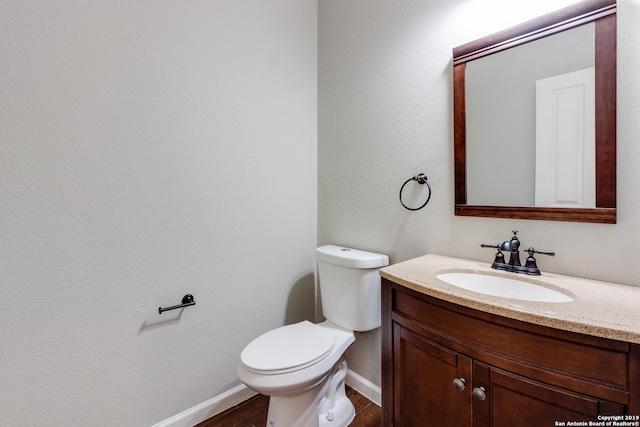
385,113
148,150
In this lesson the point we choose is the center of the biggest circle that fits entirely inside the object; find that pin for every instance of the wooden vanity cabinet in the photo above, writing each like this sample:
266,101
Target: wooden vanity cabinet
507,372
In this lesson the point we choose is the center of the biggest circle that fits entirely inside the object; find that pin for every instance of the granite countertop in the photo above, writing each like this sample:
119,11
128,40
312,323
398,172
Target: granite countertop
601,309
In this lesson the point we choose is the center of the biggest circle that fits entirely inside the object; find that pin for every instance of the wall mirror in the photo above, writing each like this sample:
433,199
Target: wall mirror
535,118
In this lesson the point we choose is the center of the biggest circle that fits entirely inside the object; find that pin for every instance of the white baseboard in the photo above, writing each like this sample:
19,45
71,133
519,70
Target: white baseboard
209,408
364,387
239,394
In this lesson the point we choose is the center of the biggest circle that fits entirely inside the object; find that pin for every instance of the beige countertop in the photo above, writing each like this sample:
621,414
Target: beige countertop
602,309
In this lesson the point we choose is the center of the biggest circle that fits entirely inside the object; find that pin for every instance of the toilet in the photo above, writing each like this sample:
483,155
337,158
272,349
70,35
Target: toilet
302,366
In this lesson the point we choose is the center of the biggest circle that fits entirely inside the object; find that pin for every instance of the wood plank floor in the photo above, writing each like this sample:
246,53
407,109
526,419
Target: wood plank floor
253,413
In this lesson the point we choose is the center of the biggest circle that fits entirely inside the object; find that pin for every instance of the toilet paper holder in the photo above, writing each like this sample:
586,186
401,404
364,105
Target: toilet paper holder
187,300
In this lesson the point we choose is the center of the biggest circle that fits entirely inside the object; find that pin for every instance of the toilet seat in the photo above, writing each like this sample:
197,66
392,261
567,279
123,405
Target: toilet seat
288,348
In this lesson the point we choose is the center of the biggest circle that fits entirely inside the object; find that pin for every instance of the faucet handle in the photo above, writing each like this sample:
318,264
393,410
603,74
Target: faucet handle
533,251
486,245
499,259
531,266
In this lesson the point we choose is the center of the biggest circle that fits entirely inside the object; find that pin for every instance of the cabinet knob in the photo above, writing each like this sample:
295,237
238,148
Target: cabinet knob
479,393
459,383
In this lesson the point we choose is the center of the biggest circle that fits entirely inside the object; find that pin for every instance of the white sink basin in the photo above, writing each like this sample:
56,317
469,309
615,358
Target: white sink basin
503,287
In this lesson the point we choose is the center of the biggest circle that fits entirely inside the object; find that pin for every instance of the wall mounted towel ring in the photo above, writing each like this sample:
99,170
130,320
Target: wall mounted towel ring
421,179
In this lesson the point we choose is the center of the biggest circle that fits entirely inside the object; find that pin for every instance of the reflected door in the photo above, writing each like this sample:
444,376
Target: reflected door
565,140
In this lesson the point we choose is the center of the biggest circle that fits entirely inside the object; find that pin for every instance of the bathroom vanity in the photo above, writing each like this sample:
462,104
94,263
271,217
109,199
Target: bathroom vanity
455,357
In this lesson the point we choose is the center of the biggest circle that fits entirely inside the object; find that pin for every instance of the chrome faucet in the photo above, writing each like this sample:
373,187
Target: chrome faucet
513,247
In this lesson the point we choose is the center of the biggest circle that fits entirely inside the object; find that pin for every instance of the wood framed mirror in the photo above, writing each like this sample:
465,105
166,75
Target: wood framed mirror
596,163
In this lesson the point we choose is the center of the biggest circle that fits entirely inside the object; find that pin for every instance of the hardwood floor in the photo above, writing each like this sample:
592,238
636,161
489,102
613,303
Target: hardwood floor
253,413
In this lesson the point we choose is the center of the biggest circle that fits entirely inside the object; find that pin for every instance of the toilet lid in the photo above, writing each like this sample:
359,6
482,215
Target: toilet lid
288,348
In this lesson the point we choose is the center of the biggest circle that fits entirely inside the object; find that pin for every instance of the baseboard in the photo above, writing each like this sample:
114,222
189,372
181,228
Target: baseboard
364,387
209,408
239,394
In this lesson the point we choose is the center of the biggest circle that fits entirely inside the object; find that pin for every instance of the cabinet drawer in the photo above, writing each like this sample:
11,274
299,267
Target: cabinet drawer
515,345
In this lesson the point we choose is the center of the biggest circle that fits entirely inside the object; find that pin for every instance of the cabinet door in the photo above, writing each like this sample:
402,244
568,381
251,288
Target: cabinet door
512,400
424,391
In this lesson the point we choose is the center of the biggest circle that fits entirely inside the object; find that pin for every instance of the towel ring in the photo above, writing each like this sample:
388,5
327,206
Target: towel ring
421,179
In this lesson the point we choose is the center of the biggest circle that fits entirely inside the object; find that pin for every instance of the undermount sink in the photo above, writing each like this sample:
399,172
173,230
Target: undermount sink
503,287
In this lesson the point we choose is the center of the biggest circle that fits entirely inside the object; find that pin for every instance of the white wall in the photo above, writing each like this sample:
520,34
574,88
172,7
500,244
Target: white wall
149,149
385,114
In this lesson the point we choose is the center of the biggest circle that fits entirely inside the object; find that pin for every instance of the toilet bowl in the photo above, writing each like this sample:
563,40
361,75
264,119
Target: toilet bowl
302,366
297,366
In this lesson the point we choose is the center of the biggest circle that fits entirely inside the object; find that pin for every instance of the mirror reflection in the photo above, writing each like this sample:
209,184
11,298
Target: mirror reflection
501,123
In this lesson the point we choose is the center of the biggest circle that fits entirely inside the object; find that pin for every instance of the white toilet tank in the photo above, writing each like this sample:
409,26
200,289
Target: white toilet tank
350,286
